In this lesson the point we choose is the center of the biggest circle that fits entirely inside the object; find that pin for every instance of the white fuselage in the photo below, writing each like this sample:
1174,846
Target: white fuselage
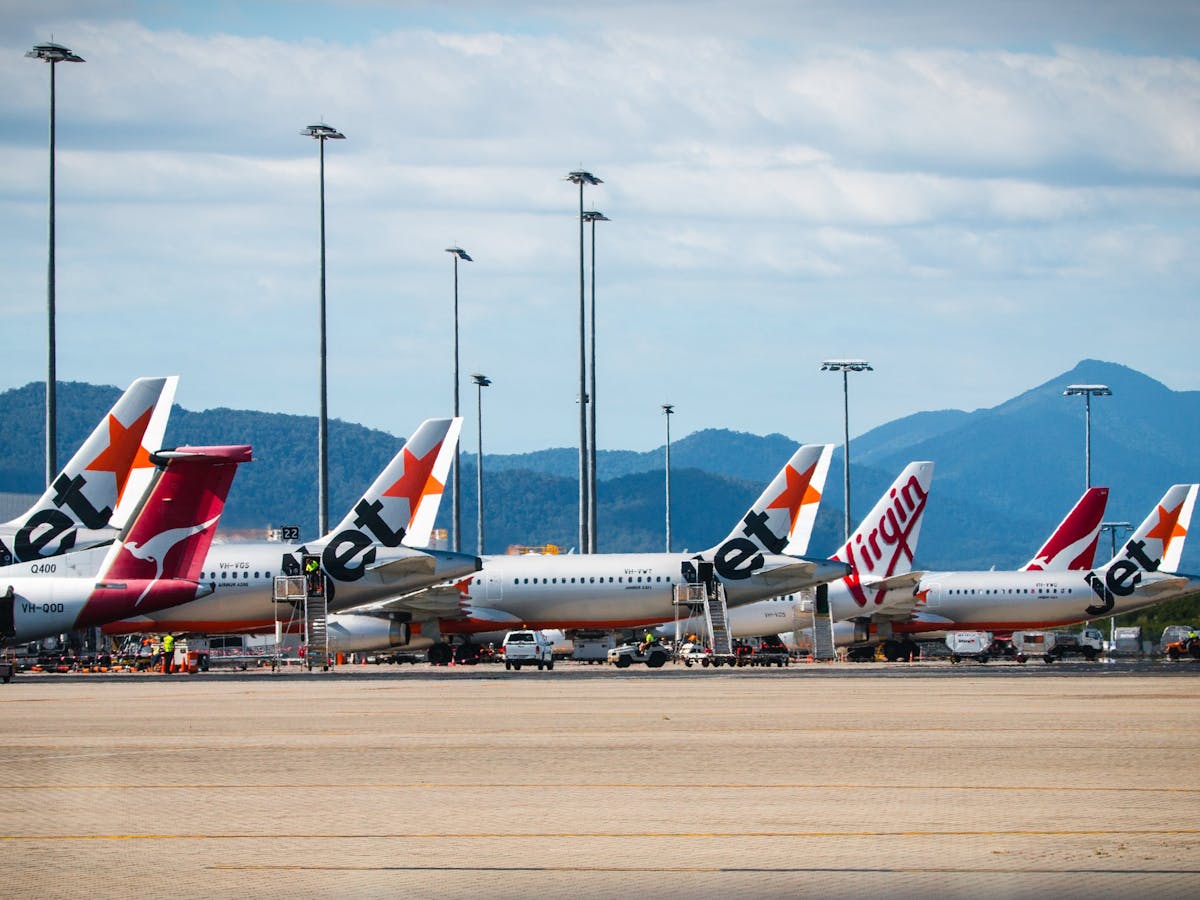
609,590
243,577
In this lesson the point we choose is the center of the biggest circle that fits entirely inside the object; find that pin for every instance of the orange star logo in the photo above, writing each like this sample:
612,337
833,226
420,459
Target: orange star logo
1168,527
417,482
124,452
797,494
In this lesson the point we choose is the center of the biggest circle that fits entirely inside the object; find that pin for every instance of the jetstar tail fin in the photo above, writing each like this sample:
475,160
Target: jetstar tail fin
104,481
173,529
782,518
1073,543
1157,544
401,505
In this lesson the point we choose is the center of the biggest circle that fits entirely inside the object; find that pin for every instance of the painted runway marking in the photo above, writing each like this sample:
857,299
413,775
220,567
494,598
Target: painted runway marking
542,835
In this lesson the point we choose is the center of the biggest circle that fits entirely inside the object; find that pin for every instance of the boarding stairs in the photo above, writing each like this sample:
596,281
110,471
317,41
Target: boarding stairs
716,615
823,648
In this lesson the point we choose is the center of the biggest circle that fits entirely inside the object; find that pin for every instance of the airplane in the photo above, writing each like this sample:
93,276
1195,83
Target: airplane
880,551
1142,573
371,555
1071,545
94,495
154,563
609,591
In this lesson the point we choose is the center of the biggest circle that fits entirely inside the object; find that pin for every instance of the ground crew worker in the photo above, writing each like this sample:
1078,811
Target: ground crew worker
312,569
168,643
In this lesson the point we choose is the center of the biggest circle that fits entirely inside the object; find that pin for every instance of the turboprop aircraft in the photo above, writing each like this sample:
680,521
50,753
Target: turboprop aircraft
880,550
367,557
607,591
94,495
154,564
1141,574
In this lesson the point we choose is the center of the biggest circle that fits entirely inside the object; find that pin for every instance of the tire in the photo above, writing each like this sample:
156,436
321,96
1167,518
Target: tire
507,666
657,660
892,651
622,662
704,662
983,657
1020,657
517,666
549,664
1173,654
688,663
954,659
1194,650
1048,658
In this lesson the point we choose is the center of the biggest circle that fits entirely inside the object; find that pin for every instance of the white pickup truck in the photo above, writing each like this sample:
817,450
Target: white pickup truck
527,648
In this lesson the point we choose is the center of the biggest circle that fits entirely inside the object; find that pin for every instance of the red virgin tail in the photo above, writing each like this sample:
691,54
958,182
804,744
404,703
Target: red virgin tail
170,534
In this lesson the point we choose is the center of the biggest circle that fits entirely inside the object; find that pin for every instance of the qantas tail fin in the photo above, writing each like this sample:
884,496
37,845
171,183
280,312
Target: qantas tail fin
1157,545
782,518
885,543
400,507
172,530
1073,543
103,482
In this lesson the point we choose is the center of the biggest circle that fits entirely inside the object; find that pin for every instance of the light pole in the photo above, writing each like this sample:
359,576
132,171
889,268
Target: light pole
846,366
592,216
322,133
1087,391
580,177
51,53
481,381
456,253
1111,528
668,409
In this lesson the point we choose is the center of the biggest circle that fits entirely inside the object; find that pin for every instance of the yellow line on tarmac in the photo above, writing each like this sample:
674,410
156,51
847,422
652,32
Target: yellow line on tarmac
578,785
490,835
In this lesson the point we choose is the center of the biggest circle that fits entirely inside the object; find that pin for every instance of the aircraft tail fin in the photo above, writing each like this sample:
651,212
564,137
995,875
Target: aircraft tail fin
106,479
403,500
1157,544
1073,543
781,519
171,532
885,542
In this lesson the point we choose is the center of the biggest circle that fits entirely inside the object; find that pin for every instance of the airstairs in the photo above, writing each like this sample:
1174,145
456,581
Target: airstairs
307,606
823,647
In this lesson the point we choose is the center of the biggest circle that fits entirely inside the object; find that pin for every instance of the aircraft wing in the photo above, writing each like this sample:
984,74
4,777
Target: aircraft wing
441,600
1169,585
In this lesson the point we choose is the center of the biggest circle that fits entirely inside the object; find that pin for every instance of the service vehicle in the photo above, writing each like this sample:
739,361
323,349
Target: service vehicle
692,653
1127,641
654,654
1173,633
1053,645
527,648
771,651
1188,645
974,645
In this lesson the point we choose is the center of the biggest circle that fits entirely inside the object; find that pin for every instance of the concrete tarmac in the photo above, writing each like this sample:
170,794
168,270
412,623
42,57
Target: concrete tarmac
585,781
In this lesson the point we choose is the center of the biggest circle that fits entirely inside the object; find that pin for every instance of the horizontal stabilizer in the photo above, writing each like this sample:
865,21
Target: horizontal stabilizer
406,566
905,581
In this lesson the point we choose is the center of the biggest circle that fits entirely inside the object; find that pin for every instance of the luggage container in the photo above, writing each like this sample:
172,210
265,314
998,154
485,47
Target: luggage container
969,645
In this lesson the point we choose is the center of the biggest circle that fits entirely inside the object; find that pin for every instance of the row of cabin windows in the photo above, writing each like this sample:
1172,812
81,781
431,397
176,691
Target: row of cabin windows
592,579
227,574
987,591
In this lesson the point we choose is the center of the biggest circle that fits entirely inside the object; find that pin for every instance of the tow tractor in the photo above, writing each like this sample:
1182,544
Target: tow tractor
1187,646
654,654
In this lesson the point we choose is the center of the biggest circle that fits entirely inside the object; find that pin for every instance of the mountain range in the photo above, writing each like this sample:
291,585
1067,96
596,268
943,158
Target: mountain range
1005,475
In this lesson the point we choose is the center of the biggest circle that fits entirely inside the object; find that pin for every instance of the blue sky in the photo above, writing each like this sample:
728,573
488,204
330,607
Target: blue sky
972,196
